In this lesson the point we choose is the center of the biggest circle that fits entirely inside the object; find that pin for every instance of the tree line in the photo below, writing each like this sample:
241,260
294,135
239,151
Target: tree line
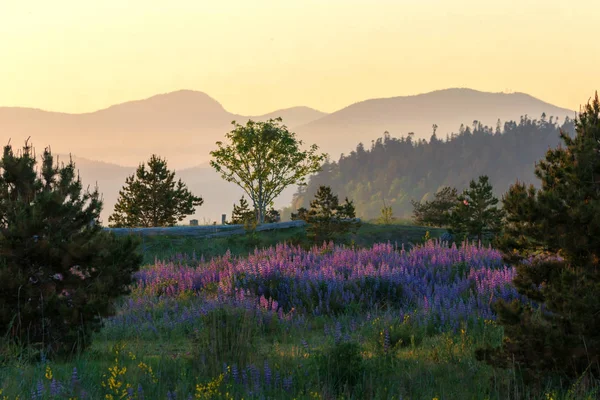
396,171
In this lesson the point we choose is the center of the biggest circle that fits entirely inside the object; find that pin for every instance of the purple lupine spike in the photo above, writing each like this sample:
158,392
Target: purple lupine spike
287,383
386,340
55,387
140,392
267,374
171,395
74,378
305,345
235,373
40,389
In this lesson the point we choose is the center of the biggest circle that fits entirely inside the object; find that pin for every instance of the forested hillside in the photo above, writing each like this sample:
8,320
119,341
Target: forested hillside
399,170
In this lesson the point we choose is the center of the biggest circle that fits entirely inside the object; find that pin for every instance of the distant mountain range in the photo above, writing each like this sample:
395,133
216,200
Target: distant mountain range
183,127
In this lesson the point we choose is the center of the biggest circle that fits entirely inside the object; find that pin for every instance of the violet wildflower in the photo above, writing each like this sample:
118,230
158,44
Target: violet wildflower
386,340
305,345
55,387
39,393
235,373
267,374
287,383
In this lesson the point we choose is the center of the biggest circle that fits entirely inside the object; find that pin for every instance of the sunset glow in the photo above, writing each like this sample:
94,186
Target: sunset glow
260,55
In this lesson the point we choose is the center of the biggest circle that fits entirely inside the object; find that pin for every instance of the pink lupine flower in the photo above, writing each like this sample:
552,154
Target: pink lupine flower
465,202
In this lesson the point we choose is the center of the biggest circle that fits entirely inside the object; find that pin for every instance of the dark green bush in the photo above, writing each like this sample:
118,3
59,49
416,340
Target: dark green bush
341,366
560,219
59,272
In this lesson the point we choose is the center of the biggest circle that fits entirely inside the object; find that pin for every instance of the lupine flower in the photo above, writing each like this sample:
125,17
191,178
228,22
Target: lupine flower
287,383
55,388
386,340
267,373
235,373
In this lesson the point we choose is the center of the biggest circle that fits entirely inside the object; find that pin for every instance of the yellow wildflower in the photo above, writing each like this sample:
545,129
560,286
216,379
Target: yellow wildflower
48,373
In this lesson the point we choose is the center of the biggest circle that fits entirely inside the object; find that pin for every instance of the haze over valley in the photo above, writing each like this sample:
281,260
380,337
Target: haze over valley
183,127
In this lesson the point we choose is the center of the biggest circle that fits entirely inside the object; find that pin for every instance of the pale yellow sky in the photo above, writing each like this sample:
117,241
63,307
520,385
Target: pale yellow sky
255,56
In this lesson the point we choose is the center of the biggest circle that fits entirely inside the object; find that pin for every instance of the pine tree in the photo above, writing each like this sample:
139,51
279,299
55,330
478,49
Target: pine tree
151,199
59,272
553,234
475,213
437,211
327,219
242,213
272,216
300,214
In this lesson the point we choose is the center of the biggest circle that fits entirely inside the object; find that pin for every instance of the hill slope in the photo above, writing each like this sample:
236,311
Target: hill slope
365,121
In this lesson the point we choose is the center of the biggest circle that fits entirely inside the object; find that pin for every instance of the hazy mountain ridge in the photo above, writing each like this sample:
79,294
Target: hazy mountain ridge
183,127
447,108
130,132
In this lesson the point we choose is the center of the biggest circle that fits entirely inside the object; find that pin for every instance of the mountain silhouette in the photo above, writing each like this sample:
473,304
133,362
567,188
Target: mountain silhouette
367,120
183,126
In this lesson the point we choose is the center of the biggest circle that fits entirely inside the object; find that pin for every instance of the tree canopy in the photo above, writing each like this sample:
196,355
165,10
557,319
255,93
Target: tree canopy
327,218
475,212
436,212
552,234
401,169
263,158
152,198
57,267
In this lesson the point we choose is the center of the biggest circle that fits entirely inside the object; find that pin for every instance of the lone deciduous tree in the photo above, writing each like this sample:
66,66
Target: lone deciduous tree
150,198
263,159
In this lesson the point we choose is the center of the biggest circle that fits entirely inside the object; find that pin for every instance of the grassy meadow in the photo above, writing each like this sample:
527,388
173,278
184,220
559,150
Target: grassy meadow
267,316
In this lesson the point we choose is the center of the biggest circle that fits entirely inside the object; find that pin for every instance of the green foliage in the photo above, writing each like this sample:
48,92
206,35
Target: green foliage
387,214
327,219
561,218
341,366
263,159
300,214
475,213
226,334
242,213
59,272
436,212
150,198
401,169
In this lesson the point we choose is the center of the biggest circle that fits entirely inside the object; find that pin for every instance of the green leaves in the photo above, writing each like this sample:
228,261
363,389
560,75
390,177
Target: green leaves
263,158
475,212
436,212
560,219
152,198
57,267
327,218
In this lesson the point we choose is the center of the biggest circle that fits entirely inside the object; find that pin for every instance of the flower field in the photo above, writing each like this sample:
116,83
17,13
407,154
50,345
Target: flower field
284,322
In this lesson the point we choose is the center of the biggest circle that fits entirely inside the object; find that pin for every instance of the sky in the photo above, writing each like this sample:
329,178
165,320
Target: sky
256,56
